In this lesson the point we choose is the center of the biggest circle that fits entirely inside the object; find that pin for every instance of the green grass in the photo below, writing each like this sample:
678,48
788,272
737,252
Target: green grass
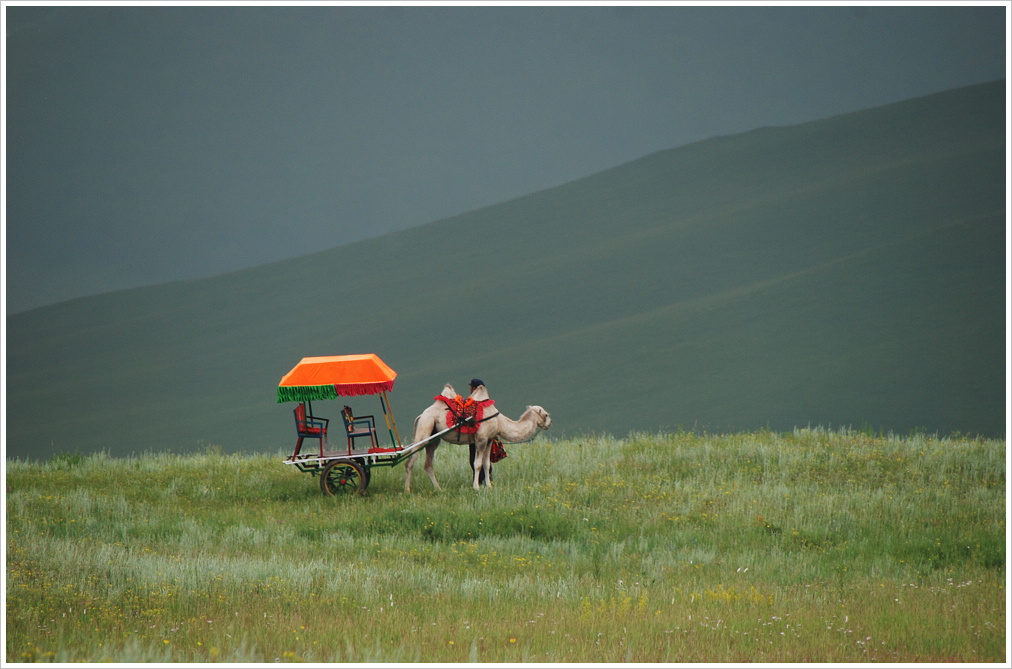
811,545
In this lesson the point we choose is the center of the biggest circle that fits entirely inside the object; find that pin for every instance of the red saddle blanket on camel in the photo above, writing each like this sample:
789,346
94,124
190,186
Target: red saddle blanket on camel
459,410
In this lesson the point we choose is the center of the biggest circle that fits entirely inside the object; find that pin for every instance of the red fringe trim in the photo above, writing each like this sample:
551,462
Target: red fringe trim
362,388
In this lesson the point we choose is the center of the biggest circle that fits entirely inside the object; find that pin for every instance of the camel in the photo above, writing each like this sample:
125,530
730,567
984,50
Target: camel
433,420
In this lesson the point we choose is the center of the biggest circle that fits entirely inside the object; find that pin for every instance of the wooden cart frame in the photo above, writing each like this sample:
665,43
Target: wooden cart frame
343,471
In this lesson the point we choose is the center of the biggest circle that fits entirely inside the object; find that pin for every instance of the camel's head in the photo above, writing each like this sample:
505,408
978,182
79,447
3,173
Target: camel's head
544,420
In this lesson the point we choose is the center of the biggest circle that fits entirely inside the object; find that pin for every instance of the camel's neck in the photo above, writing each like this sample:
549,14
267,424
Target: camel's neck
522,429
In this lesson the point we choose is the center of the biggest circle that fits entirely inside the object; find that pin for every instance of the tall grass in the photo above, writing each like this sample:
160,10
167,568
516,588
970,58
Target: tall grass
805,546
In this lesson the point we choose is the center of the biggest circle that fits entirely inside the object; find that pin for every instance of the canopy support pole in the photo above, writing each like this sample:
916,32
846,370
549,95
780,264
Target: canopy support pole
386,417
389,415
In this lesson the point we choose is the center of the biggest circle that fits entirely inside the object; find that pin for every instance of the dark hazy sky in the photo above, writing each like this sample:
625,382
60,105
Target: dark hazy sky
147,144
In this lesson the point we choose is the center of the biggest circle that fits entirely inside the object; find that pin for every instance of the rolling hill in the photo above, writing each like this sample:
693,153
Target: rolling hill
844,272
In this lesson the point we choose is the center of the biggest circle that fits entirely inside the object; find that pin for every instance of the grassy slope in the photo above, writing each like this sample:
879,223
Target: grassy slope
809,546
846,271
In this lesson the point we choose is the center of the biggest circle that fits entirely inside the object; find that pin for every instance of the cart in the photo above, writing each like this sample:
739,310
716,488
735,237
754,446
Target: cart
344,469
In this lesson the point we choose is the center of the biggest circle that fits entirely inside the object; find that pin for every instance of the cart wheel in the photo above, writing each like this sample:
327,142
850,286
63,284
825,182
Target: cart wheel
343,478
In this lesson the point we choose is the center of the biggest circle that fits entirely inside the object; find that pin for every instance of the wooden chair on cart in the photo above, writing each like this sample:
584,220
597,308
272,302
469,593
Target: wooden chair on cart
309,427
362,426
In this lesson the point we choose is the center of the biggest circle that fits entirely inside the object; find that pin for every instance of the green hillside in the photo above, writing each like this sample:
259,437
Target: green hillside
849,271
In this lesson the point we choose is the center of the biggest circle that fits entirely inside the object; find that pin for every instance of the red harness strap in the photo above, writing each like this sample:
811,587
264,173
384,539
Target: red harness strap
459,410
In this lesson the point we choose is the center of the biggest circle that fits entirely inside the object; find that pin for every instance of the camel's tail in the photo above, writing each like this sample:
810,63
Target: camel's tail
415,430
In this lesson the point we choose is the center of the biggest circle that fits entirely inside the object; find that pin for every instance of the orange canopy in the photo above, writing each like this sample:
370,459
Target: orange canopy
329,376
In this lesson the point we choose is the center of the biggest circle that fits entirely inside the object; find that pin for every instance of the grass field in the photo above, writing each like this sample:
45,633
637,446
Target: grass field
806,546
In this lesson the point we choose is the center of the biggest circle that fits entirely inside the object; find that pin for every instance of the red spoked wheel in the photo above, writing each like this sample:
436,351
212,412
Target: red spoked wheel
343,477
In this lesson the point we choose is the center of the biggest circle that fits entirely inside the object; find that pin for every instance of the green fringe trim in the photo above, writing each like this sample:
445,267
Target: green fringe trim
306,393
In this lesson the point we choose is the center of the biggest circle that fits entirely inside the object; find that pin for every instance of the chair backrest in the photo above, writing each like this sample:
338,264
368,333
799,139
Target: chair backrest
347,417
300,417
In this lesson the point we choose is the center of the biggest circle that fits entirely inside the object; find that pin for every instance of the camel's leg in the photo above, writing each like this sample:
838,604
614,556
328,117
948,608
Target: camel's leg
479,459
408,466
486,462
430,453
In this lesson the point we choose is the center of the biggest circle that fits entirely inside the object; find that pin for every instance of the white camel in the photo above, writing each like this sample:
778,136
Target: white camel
433,420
